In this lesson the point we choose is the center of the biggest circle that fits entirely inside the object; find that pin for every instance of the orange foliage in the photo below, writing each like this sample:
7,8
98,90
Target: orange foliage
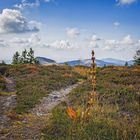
24,68
31,69
67,75
15,117
82,70
72,114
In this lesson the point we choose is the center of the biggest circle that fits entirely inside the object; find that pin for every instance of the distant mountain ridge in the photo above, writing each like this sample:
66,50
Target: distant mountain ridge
6,61
114,61
100,63
45,61
84,62
117,61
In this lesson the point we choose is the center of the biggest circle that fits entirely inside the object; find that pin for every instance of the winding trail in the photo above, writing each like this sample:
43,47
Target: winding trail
10,84
31,124
7,103
49,102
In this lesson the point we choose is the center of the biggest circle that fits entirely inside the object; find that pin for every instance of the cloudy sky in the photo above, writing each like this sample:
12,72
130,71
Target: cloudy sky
69,29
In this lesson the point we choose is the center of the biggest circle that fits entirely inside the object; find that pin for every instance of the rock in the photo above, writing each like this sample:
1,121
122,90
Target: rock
10,84
10,101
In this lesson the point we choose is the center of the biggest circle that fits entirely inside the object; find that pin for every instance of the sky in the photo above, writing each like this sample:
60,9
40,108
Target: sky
69,29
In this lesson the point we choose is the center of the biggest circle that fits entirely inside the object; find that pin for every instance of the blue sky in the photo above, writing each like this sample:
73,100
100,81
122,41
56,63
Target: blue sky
70,29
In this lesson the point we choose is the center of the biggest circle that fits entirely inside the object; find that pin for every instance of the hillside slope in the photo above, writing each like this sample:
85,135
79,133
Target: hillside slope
45,61
34,82
115,113
29,84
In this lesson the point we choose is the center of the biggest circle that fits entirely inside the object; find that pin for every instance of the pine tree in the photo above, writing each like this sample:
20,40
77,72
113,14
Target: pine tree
30,55
3,62
137,57
126,64
16,58
104,65
24,57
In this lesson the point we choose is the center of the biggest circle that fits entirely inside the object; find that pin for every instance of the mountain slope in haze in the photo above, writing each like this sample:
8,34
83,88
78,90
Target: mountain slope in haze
45,61
6,61
117,62
87,62
114,61
130,62
100,63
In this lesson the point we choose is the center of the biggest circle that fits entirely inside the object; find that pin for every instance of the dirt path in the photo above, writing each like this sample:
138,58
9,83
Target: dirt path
29,126
7,103
48,103
10,84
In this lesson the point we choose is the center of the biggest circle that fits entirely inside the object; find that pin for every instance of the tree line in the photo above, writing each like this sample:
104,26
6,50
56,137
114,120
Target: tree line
26,57
137,57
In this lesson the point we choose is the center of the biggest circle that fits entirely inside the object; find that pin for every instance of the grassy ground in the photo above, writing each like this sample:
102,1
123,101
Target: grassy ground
2,83
2,80
115,115
34,82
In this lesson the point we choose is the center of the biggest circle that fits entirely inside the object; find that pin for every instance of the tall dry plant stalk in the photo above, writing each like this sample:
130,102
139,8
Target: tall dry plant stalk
92,96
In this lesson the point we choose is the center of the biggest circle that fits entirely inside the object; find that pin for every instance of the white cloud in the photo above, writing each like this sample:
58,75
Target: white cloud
47,0
65,49
95,38
17,40
33,40
125,2
12,21
72,32
3,43
26,4
94,41
1,40
138,44
62,44
110,44
116,23
127,40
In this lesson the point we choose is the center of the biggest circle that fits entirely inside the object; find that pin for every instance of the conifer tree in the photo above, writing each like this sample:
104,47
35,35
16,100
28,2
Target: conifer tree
30,55
126,64
24,57
16,58
137,57
3,62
